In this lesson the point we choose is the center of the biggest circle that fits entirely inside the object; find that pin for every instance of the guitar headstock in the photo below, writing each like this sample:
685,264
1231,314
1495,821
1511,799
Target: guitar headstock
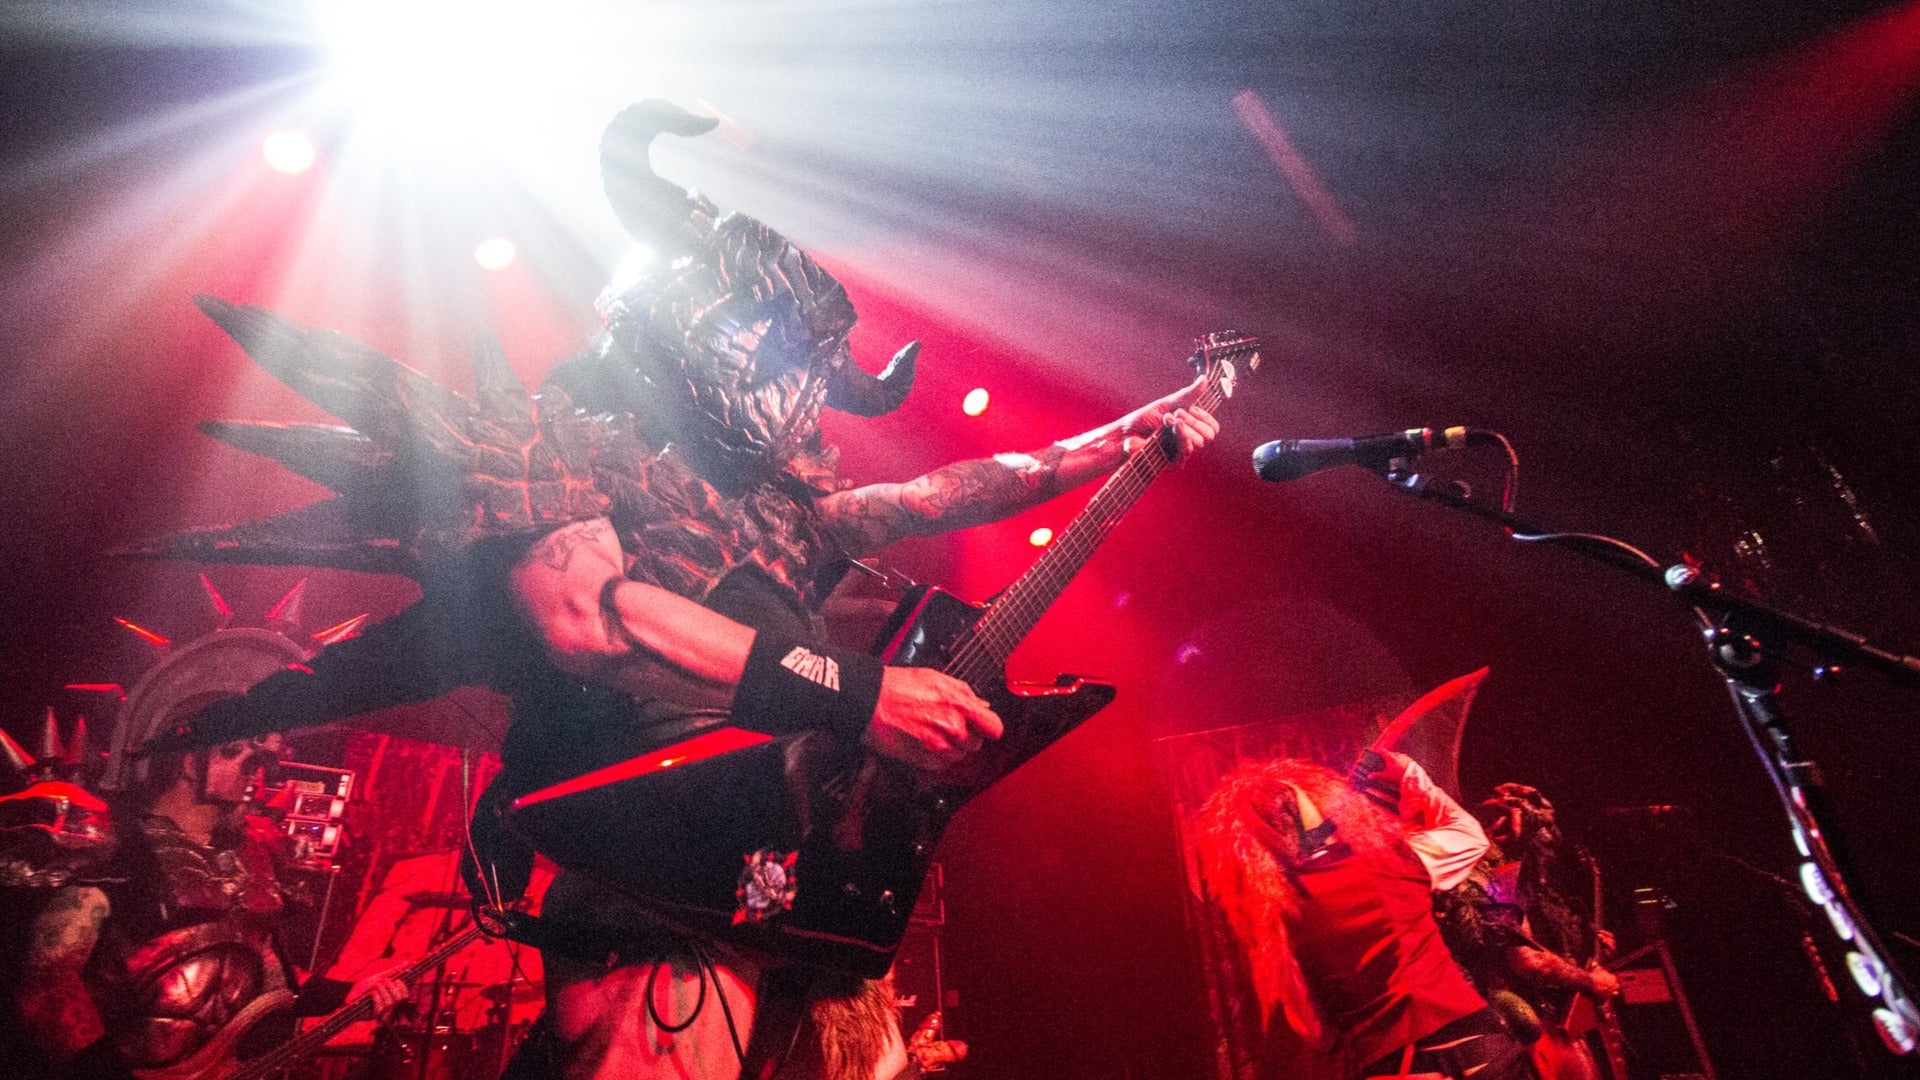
1222,354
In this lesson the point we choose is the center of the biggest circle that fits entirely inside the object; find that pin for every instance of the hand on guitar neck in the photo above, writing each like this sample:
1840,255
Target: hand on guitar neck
1602,985
385,987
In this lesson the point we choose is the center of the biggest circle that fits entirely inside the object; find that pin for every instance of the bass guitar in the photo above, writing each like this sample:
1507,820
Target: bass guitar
215,1060
1586,1015
807,846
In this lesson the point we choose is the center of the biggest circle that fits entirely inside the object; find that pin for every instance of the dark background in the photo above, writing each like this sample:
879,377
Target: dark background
1669,249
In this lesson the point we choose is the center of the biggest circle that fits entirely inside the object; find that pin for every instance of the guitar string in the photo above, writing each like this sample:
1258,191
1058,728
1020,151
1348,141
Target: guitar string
991,633
987,645
1028,598
1010,621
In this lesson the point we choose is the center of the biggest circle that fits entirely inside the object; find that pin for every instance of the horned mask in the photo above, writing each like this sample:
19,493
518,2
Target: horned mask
737,337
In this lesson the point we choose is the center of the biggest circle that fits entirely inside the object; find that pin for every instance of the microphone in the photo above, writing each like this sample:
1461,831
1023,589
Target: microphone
1291,459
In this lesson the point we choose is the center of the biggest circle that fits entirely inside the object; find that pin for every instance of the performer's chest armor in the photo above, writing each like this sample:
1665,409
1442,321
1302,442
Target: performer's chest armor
205,949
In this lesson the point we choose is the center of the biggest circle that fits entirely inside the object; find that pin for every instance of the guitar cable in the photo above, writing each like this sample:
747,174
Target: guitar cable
707,971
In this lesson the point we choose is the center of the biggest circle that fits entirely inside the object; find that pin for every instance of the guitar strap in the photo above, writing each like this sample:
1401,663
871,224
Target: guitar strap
780,1020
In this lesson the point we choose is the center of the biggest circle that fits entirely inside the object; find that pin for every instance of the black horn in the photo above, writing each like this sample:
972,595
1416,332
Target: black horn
854,391
654,212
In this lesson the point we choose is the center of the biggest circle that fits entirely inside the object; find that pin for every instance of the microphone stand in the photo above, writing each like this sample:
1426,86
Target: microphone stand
1745,641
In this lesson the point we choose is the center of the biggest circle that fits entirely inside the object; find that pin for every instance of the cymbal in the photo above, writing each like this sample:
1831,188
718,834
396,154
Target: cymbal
438,899
521,992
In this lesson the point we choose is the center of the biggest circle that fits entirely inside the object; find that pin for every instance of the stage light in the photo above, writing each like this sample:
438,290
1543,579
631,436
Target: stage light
1040,537
435,75
975,402
1869,974
1895,1031
1842,922
290,152
495,253
1815,884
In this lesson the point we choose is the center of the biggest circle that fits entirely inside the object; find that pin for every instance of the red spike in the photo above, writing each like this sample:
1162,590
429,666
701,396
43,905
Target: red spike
51,748
339,632
113,688
14,757
158,641
288,609
77,746
220,606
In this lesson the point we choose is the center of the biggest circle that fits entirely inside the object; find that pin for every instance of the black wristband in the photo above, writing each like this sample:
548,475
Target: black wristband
790,685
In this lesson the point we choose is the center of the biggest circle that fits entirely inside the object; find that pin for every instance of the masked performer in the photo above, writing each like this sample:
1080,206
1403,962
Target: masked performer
1328,882
164,955
637,554
1524,944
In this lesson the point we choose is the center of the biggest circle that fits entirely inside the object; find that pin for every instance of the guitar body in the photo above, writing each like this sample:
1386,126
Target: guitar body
922,632
1585,1045
215,1060
853,833
1612,1044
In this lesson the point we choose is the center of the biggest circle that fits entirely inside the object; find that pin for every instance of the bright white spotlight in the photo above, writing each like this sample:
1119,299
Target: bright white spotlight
290,152
975,402
495,253
452,72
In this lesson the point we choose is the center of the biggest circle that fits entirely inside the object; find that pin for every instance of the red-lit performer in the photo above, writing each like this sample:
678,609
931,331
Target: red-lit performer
1328,883
658,526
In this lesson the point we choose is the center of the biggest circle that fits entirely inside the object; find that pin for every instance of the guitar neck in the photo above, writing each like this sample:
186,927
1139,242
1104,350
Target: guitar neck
982,654
291,1052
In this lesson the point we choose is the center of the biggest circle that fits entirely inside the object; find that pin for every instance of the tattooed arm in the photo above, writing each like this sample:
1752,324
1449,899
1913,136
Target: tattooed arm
975,492
597,624
52,998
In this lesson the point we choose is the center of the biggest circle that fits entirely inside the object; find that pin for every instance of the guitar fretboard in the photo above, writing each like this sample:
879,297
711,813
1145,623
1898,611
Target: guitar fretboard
981,654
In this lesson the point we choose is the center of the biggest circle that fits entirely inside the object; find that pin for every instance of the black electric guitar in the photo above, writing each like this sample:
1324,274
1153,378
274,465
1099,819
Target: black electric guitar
808,846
